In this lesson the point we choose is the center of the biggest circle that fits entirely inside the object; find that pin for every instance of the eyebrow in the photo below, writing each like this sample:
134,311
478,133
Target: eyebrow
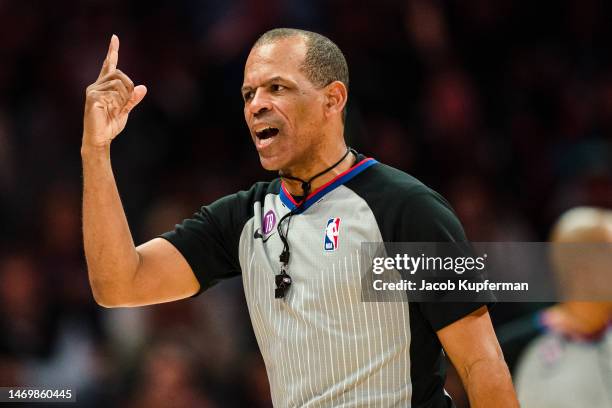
273,79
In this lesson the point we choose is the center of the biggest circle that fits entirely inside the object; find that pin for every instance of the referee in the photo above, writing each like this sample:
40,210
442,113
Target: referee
295,242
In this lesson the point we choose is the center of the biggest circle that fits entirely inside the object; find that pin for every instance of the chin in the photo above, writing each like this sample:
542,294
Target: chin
270,163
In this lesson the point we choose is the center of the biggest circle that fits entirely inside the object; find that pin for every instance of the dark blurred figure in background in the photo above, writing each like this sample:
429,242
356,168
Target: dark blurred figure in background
168,380
26,316
571,365
532,109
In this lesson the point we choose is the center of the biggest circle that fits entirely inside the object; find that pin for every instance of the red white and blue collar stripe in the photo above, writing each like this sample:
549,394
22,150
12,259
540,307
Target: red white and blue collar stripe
340,179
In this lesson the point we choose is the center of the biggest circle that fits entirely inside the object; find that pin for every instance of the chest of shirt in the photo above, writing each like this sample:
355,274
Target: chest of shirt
324,243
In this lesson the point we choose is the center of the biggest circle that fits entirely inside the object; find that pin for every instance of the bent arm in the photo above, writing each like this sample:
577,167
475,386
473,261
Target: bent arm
119,273
473,349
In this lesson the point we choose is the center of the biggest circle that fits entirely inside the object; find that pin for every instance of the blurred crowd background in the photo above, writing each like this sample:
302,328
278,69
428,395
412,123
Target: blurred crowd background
504,107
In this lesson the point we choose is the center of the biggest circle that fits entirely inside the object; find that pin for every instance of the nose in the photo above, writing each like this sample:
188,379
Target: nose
260,103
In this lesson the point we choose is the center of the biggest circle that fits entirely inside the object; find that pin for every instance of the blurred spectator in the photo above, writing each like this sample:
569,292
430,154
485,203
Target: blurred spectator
168,380
570,365
27,320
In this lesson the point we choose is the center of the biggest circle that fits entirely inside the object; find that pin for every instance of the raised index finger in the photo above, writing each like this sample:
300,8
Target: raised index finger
112,56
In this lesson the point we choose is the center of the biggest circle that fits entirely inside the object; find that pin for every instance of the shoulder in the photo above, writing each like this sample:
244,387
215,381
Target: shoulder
386,186
226,216
383,182
209,240
405,208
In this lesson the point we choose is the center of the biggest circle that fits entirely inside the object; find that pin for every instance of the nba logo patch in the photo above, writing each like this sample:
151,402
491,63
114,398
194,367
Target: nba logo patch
331,234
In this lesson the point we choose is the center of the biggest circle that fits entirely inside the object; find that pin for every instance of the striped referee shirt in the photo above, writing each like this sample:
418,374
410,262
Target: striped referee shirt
322,345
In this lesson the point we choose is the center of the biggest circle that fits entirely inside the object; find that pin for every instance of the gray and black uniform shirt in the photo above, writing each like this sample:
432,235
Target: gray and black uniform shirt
322,346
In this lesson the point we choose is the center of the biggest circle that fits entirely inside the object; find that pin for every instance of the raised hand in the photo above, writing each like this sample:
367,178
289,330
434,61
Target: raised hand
108,101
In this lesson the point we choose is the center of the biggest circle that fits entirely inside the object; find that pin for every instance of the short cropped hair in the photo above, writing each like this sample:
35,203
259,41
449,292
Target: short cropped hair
323,63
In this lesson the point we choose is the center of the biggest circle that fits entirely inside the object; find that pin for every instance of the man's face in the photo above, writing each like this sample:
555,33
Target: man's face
283,109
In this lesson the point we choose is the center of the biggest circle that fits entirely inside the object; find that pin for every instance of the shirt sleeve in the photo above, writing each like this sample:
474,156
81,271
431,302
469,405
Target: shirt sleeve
209,240
430,218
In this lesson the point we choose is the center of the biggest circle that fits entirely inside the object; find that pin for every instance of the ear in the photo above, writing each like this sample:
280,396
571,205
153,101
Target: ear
336,96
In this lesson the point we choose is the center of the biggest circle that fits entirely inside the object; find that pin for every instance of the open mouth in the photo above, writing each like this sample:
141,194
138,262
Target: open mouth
267,133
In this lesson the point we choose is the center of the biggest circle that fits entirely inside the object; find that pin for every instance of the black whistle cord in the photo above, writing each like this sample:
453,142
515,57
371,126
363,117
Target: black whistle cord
283,280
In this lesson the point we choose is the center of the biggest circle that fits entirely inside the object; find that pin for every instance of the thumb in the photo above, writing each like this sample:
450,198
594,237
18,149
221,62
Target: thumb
137,95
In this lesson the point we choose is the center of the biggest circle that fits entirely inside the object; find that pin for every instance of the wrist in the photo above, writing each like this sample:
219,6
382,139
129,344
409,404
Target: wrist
90,151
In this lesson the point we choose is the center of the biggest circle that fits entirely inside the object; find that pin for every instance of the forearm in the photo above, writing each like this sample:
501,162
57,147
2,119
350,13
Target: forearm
489,384
111,256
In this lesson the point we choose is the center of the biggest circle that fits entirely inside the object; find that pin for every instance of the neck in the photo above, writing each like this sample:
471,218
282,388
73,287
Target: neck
314,167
